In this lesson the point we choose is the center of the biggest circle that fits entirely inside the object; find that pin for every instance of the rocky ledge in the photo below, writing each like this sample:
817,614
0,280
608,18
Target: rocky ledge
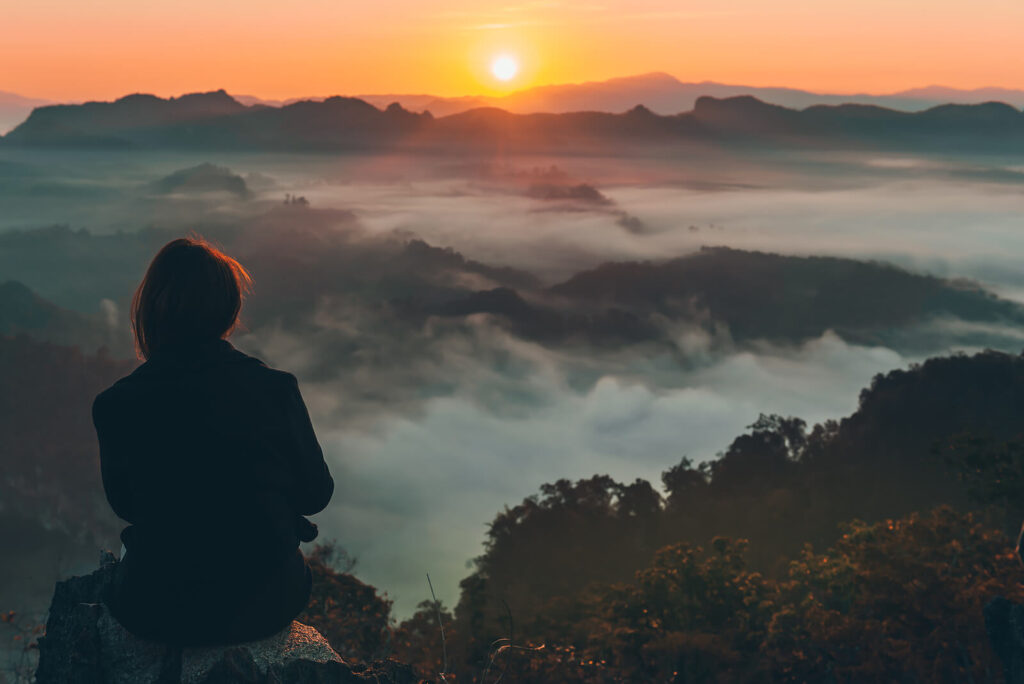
84,644
1004,622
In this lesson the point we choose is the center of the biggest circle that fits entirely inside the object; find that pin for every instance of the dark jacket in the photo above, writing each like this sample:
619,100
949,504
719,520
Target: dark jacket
211,456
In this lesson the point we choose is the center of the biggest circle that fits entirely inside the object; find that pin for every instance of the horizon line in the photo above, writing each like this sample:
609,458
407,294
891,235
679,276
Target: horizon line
904,92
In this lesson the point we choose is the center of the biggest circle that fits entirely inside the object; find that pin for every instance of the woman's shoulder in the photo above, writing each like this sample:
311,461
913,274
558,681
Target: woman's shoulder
105,400
247,371
259,367
259,376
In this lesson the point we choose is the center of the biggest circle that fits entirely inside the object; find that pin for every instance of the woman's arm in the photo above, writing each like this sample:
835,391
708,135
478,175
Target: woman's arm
113,464
314,484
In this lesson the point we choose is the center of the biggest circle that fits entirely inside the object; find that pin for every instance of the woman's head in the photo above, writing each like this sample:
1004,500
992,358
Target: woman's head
192,293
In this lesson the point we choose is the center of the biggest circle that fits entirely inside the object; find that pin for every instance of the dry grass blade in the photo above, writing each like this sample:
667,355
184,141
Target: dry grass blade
440,624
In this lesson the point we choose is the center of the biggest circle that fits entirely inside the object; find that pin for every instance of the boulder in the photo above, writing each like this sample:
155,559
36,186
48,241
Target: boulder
84,644
1004,622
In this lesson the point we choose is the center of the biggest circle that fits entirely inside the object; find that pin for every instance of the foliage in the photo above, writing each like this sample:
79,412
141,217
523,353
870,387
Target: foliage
349,613
22,652
50,461
692,614
418,639
993,471
781,485
898,600
599,580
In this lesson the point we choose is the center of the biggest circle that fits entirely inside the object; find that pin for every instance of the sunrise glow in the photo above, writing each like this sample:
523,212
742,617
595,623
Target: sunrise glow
73,50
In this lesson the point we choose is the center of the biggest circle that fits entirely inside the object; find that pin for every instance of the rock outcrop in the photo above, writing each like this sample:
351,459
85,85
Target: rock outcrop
1004,622
84,644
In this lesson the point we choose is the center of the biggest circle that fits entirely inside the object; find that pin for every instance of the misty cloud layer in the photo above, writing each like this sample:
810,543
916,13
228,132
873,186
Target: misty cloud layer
414,493
432,423
945,227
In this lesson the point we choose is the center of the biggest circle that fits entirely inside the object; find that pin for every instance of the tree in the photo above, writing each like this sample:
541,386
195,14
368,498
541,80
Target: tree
900,600
418,639
349,613
993,471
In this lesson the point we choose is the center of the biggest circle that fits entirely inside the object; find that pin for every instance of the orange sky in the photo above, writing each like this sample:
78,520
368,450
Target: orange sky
72,49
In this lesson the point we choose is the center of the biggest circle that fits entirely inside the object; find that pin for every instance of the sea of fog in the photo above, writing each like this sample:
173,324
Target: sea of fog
417,487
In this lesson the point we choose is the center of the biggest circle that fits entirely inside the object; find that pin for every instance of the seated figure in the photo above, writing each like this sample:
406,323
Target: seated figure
211,458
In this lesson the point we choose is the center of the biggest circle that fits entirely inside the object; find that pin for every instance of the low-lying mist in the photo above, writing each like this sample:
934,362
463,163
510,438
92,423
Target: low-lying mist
448,376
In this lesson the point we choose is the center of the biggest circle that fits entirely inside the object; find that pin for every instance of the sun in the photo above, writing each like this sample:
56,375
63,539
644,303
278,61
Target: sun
504,68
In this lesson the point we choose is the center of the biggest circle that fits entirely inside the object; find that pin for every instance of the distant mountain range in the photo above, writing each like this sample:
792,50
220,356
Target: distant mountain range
22,311
215,120
665,94
15,108
658,92
753,295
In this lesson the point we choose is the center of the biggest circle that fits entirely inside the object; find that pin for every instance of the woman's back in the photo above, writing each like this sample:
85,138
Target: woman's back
211,458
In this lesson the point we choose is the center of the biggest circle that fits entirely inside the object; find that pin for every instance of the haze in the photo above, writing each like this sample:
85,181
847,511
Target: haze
433,425
67,51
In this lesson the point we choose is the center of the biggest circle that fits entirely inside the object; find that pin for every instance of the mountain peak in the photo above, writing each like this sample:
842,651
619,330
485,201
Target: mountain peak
650,78
219,95
137,98
745,104
15,289
640,110
213,102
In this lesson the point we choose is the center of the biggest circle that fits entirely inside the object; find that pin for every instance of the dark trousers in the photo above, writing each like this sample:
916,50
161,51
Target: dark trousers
208,610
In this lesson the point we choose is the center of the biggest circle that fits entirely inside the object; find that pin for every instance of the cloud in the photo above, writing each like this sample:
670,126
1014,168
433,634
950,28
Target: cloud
931,223
415,494
109,309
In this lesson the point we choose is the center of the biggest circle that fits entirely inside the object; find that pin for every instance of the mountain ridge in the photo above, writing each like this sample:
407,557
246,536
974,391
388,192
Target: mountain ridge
665,94
215,120
660,92
14,108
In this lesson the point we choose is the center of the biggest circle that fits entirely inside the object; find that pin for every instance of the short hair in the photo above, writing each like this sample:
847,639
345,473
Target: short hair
191,293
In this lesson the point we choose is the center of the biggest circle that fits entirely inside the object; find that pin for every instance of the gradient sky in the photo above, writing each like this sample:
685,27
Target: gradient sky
69,49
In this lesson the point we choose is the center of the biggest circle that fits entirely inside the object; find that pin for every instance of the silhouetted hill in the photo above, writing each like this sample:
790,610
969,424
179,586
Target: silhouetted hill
301,255
119,122
762,295
905,421
659,92
212,120
15,108
944,94
611,326
24,312
216,121
21,309
886,459
203,178
50,455
665,94
779,486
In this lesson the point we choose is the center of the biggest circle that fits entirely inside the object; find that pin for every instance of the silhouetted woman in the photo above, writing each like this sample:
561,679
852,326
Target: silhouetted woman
211,458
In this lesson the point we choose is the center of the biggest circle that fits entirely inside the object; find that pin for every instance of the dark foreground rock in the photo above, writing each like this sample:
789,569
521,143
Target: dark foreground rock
1004,622
84,644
